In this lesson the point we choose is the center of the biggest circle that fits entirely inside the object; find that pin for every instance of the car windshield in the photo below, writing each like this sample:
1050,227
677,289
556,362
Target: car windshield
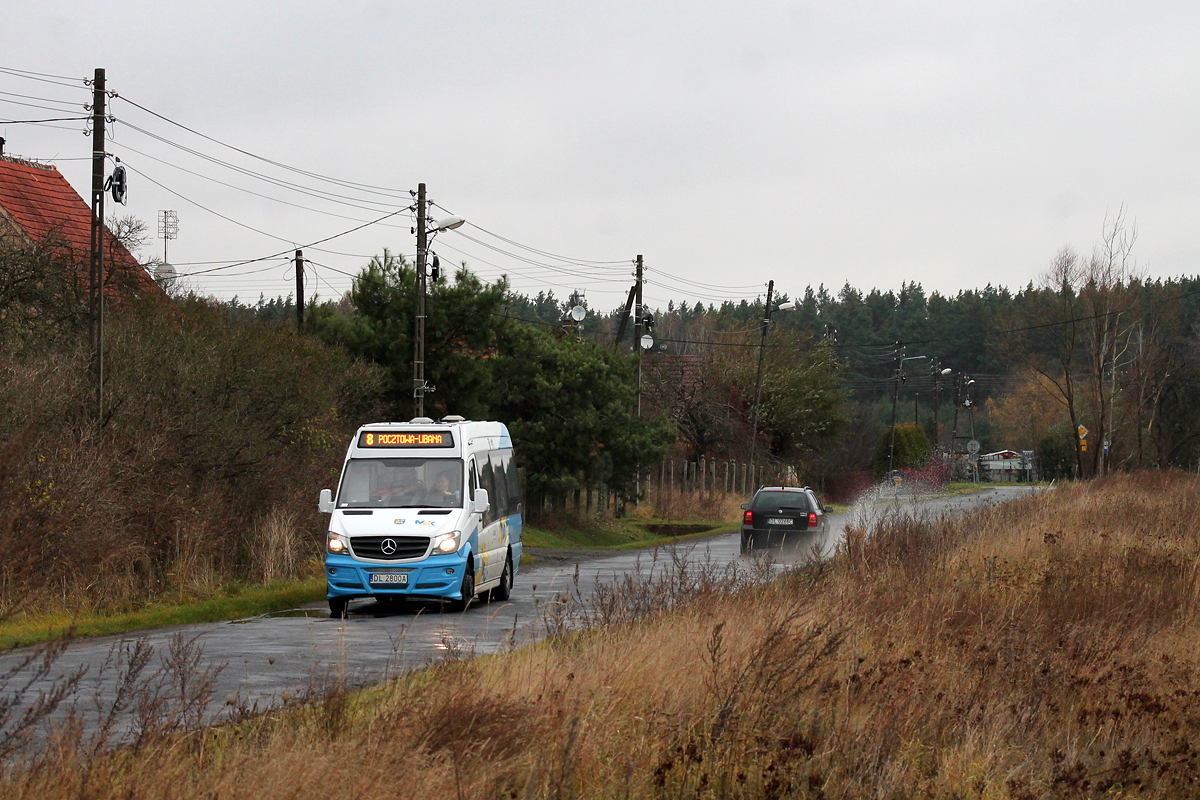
780,501
401,483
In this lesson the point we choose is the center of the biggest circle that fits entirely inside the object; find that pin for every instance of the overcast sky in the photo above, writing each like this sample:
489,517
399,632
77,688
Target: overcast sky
946,143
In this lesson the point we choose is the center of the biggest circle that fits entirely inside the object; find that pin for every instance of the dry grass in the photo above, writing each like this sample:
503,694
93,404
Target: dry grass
1045,648
174,494
692,506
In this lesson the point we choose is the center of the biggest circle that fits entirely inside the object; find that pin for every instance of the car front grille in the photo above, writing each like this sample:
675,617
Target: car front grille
374,547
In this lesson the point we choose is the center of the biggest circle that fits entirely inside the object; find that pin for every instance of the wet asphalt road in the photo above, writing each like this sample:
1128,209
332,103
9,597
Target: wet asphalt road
270,659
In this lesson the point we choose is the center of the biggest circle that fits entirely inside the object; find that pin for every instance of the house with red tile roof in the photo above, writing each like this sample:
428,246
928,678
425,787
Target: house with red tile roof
38,208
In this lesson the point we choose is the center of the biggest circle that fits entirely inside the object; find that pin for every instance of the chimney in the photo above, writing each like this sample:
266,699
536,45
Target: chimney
1,145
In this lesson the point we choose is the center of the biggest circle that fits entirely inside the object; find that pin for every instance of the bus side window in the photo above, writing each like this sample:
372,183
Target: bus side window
500,482
485,482
514,483
471,484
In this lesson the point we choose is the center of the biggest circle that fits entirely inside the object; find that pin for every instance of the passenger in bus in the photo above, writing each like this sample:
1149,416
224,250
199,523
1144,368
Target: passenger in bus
444,492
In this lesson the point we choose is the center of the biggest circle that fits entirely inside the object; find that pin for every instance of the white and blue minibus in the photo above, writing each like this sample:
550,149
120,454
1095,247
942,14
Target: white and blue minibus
424,511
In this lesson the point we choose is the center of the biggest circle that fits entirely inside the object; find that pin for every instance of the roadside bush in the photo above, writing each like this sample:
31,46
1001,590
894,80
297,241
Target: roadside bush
910,451
213,438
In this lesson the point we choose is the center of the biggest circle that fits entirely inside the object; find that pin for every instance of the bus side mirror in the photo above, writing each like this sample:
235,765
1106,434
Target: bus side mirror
325,504
480,501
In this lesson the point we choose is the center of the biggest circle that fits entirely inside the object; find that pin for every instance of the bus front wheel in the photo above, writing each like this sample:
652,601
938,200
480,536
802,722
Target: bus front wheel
503,591
337,607
467,589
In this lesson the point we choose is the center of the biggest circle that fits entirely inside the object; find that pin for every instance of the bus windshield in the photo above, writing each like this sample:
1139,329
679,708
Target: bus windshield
402,483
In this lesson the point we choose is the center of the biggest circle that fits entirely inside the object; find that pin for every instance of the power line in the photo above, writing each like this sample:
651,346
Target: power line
256,230
579,271
40,121
544,253
380,190
242,189
75,83
312,245
306,190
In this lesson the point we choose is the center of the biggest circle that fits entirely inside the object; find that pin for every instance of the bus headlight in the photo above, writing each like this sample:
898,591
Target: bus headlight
447,543
337,544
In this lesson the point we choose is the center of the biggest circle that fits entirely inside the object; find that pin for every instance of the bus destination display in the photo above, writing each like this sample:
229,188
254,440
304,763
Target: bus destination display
393,439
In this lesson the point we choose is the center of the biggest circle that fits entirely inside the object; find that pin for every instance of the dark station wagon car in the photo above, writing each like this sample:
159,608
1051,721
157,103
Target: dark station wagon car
782,516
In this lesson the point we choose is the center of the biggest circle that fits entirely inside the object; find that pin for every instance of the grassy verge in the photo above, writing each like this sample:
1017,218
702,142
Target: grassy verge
235,603
239,601
615,534
1041,648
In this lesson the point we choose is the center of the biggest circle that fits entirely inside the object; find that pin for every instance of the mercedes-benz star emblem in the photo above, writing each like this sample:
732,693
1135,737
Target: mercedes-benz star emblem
388,547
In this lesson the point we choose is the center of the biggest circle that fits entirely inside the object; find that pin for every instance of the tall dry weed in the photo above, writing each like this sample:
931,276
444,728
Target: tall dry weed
279,546
1043,648
693,506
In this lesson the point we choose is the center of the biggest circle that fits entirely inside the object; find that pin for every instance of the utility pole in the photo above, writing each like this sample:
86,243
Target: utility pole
625,318
937,401
957,402
96,284
762,346
971,411
895,399
299,290
916,418
638,314
419,333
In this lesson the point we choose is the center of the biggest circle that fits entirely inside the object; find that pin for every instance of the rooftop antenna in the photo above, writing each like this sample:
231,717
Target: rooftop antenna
168,229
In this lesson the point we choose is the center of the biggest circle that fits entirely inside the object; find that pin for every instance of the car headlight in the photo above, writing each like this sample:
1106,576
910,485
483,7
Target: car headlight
447,542
337,544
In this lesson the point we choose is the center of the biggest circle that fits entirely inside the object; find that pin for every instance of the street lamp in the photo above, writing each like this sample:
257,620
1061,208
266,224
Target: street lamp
762,346
447,224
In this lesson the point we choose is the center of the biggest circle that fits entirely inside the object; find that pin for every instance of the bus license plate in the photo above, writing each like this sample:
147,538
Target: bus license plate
399,578
779,521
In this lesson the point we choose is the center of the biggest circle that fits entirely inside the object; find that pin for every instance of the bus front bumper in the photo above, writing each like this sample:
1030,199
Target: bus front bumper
434,578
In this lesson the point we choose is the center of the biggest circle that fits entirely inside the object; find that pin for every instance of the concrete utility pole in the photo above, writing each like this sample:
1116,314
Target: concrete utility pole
299,290
419,333
937,401
762,347
96,284
895,399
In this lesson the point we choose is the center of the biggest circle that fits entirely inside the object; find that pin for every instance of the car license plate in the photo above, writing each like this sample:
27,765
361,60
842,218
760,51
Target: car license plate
779,521
398,578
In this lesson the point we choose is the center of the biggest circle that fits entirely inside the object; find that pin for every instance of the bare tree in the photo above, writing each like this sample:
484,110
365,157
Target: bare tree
1108,302
1059,376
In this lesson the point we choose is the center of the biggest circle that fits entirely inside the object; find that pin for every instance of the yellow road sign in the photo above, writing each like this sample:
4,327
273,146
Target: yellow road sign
1082,432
